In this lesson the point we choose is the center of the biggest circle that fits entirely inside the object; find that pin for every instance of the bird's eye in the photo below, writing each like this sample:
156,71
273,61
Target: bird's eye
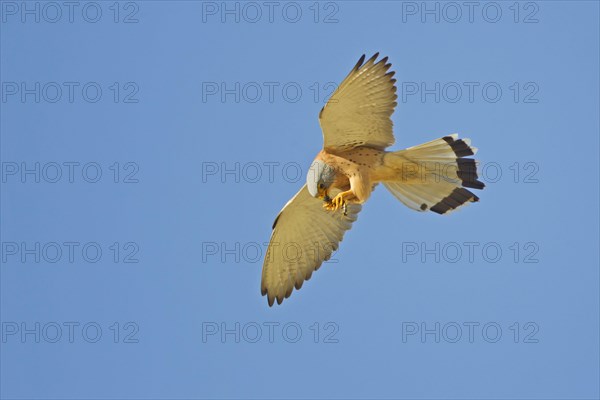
321,186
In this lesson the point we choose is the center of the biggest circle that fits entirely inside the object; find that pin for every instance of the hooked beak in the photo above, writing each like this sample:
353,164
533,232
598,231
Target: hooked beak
322,194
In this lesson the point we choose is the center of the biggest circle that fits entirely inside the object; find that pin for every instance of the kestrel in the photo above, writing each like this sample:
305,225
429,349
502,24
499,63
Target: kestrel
357,128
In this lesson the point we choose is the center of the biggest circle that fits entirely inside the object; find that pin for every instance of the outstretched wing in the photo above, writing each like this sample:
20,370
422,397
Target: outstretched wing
304,235
358,113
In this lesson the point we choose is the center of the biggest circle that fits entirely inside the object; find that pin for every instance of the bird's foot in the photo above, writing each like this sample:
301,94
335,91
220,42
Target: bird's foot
337,202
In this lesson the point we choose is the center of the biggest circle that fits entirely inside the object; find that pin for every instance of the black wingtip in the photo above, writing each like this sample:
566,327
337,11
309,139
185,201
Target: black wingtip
360,62
277,218
374,57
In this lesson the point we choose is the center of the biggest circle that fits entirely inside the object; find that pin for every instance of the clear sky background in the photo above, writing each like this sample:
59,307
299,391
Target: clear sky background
497,300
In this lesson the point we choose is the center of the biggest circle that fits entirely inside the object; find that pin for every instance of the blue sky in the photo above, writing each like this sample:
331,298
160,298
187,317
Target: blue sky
147,147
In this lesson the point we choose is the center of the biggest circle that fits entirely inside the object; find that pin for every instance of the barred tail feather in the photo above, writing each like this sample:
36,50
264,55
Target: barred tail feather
433,176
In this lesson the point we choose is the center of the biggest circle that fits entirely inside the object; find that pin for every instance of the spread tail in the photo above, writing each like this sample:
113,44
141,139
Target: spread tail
433,175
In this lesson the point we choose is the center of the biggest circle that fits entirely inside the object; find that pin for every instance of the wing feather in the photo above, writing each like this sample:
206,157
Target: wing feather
358,113
304,235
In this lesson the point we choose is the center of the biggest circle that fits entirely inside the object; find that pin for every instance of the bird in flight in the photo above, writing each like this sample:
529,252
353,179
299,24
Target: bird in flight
357,128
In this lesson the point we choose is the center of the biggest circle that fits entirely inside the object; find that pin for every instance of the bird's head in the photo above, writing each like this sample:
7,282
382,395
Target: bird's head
319,179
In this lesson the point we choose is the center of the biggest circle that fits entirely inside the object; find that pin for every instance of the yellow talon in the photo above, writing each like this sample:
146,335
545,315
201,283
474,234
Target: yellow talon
338,202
